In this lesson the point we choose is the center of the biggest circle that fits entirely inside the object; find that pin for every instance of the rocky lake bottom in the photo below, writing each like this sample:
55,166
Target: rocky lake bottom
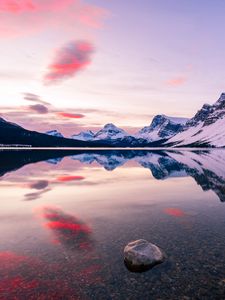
66,217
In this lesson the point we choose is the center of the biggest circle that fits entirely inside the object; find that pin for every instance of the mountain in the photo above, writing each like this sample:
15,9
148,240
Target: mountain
206,128
84,136
109,136
112,136
162,127
7,124
110,131
54,133
14,135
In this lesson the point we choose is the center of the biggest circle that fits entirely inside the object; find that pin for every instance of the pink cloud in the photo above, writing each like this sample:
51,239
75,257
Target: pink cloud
20,6
177,81
70,116
55,4
17,6
70,59
17,15
92,15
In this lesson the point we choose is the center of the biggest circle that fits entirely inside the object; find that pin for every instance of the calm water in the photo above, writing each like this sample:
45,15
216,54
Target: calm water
65,218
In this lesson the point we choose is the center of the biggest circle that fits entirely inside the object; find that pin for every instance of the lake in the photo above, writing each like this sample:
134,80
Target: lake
66,217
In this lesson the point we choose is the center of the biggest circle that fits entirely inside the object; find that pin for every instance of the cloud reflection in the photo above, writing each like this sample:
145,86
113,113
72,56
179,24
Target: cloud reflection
206,167
68,178
175,212
35,195
69,230
39,185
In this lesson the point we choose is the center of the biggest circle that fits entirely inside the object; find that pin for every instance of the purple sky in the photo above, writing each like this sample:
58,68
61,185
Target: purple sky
75,64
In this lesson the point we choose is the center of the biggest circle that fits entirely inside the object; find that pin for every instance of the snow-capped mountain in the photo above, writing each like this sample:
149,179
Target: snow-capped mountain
54,133
206,128
110,131
84,136
16,136
162,127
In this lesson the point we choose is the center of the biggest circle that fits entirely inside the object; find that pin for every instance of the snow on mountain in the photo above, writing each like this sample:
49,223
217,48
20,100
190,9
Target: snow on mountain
175,120
84,136
110,131
54,133
162,127
2,120
205,128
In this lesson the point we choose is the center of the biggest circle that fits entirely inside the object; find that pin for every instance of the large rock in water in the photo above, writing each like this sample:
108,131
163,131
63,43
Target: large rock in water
141,255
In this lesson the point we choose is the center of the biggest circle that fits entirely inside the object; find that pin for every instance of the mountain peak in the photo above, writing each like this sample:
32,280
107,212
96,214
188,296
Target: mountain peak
110,131
222,96
87,135
162,127
54,133
160,119
206,127
109,126
221,100
90,131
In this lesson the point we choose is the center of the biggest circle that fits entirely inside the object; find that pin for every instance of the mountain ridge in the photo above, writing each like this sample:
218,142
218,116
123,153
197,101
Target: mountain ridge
205,129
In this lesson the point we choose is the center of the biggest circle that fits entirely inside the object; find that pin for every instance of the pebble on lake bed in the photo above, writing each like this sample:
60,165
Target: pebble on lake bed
141,255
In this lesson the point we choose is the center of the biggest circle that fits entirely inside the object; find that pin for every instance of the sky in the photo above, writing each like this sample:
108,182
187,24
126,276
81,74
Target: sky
74,65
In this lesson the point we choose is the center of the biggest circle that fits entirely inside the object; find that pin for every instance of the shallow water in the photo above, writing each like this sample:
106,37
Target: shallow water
67,215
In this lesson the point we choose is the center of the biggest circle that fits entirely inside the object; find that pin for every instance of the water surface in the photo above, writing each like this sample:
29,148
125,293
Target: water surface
67,215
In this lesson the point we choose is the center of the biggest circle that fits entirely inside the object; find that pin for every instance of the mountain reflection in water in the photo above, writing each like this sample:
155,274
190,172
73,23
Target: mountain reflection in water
206,167
66,217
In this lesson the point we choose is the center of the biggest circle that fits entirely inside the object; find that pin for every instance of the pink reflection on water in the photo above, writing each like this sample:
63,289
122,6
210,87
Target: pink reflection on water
27,277
67,178
175,212
69,230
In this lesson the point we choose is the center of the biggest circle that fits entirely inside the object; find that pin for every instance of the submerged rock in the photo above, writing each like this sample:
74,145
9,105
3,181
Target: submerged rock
141,255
